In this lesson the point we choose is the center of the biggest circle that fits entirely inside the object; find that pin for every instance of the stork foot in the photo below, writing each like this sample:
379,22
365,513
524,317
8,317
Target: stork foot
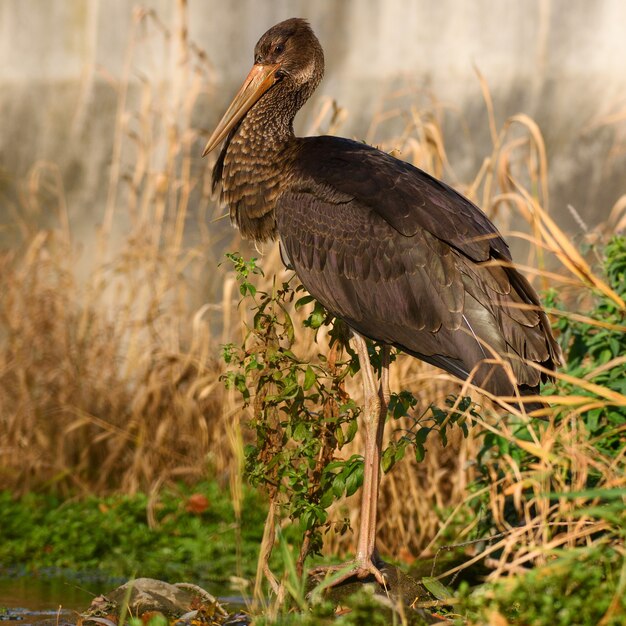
358,570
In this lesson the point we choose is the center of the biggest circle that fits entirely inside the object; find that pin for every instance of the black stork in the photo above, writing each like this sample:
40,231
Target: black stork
400,256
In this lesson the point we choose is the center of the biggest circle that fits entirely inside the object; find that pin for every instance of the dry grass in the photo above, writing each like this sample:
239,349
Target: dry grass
108,370
109,377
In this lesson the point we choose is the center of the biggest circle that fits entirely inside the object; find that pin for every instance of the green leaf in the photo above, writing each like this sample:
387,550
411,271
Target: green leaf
354,480
443,434
309,378
327,498
439,590
400,450
353,426
339,436
302,301
388,459
339,485
307,519
422,434
301,432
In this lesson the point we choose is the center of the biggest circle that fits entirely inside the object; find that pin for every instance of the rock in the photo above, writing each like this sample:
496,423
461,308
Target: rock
147,595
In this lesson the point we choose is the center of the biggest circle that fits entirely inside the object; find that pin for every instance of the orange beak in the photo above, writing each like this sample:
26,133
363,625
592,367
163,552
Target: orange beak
258,81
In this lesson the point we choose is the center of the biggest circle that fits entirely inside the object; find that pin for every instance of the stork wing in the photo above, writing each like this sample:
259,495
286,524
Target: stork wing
407,198
364,271
409,270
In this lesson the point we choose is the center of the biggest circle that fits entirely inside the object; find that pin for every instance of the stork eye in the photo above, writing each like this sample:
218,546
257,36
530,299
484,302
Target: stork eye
279,48
258,58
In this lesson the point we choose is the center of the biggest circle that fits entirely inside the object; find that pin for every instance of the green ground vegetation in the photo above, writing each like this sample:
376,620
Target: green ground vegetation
194,535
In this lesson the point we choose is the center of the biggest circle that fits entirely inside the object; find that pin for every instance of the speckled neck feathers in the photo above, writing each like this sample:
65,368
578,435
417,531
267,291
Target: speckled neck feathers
248,167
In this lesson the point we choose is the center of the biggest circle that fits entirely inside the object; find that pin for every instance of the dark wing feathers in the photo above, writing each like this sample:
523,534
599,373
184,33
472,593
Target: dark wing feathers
404,259
407,198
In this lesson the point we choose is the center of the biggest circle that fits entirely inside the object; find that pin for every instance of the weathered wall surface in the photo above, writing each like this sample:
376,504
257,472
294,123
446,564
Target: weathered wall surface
563,62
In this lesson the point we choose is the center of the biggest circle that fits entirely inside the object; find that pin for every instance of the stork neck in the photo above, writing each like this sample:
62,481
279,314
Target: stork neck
257,162
269,123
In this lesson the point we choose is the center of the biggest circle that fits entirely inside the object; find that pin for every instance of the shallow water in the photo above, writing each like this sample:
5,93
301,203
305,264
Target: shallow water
57,600
46,595
27,600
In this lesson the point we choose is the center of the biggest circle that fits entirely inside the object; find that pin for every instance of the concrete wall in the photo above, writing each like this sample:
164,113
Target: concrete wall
563,62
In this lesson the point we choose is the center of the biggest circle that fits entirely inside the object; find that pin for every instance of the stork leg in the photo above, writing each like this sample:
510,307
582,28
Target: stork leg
376,399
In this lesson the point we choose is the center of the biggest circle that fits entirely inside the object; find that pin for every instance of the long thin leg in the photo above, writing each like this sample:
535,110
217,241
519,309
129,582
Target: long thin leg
367,535
374,413
371,457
